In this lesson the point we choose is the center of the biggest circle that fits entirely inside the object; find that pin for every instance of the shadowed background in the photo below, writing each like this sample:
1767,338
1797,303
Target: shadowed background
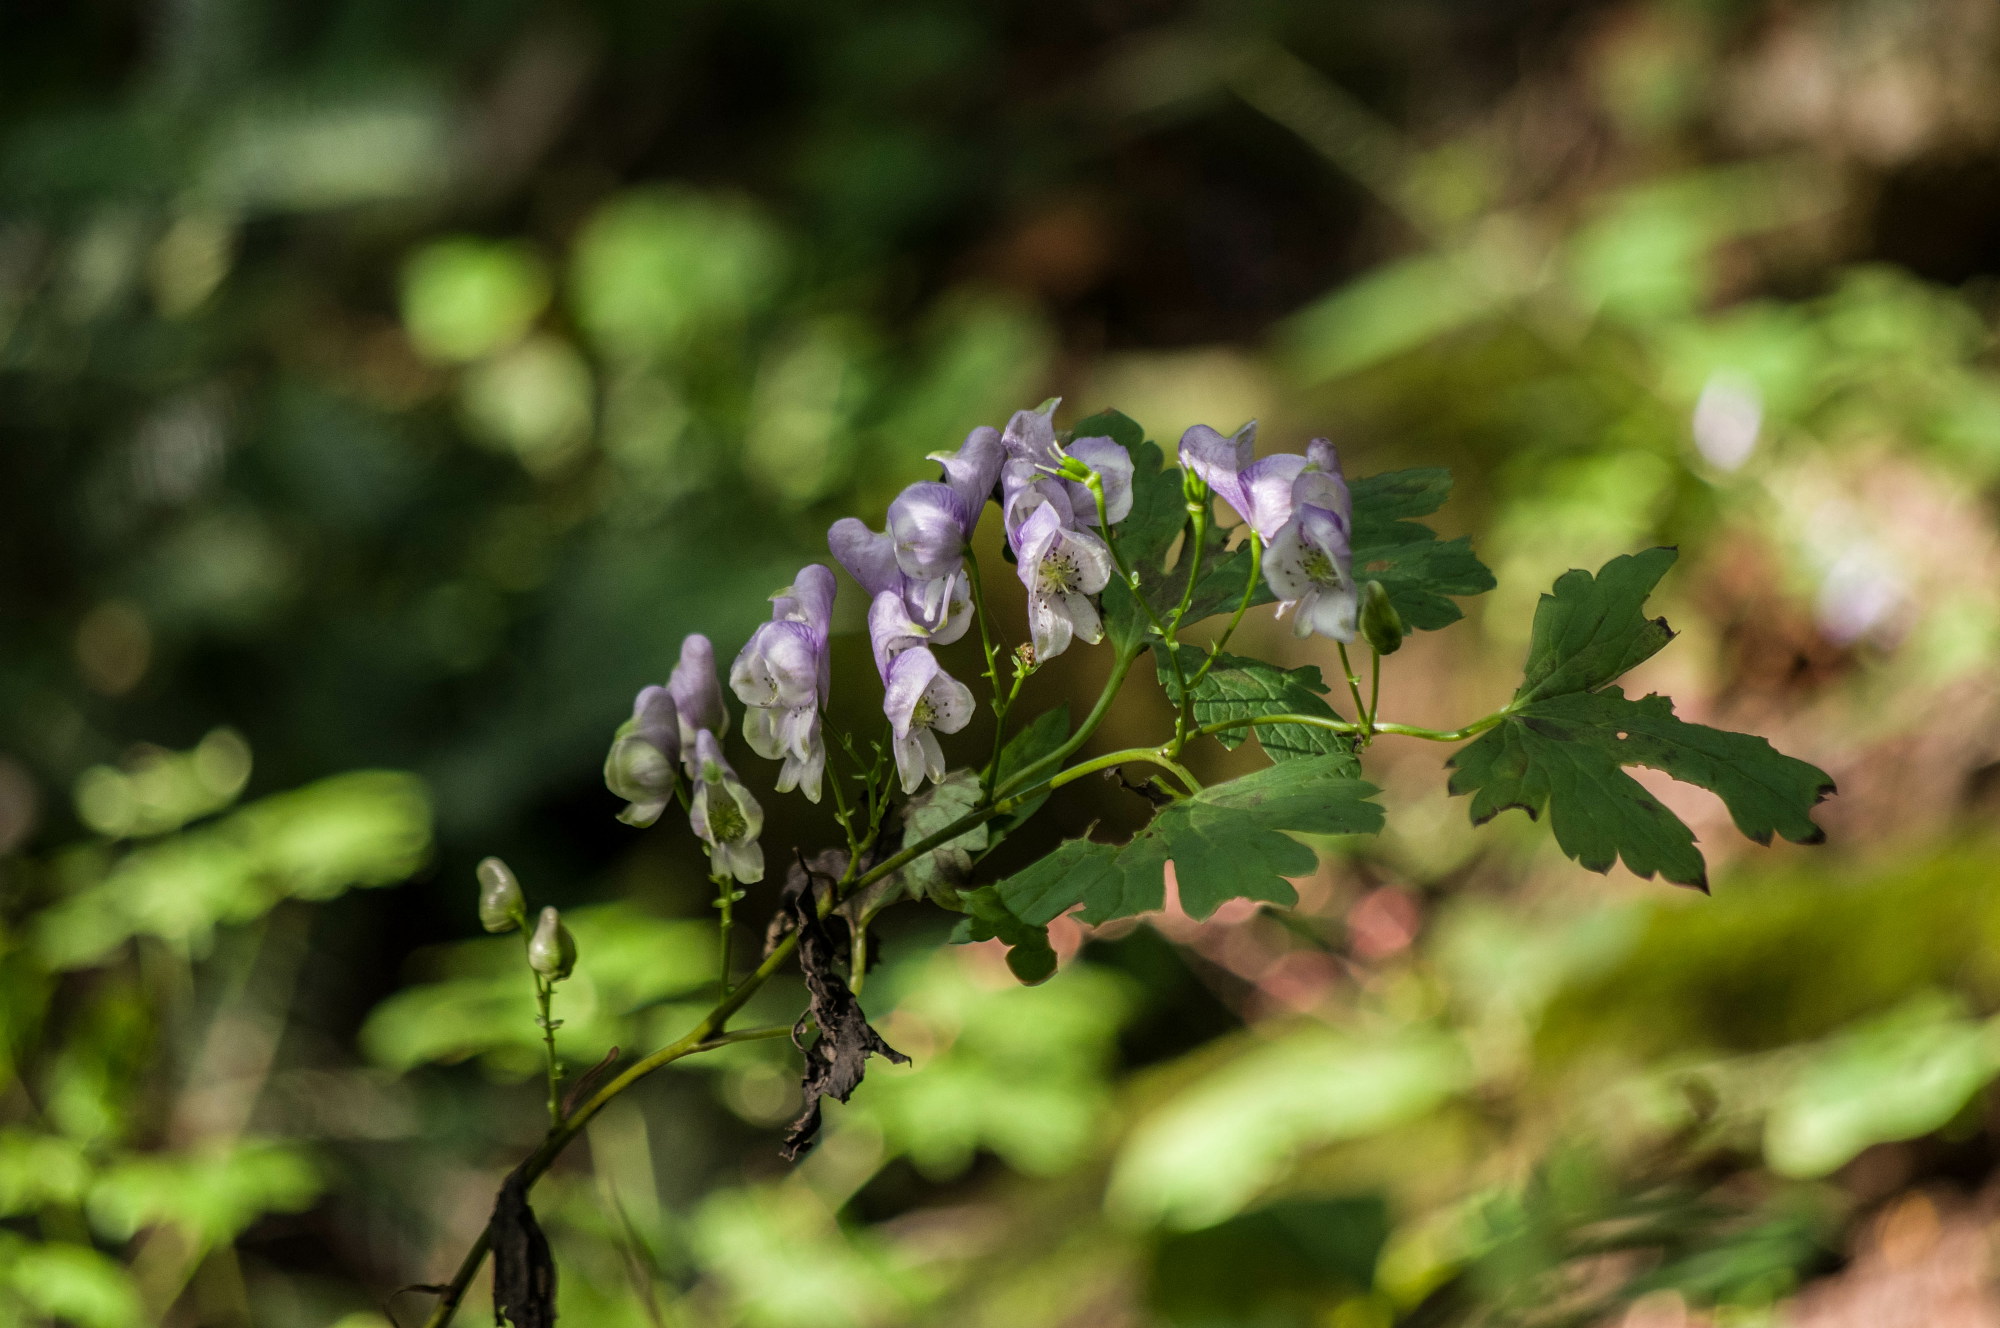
384,391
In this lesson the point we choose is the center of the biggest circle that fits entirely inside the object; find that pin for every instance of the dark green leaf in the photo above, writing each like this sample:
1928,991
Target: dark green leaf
1240,688
936,874
1568,737
1417,568
1116,425
1229,841
1592,630
1028,954
1143,540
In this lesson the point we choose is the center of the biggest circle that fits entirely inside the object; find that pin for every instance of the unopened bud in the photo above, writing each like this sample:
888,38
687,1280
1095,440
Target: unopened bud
1381,626
502,906
552,950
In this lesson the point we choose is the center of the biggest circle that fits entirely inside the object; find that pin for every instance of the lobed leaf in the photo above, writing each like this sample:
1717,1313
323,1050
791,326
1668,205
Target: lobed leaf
1230,841
1568,737
1420,571
1241,688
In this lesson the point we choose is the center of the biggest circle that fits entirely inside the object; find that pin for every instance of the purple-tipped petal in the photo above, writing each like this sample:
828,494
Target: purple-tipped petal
909,675
1031,434
869,556
697,694
892,630
927,523
1218,459
1113,465
1264,496
973,470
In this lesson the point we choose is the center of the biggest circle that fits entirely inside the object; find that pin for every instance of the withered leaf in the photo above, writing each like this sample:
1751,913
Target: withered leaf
524,1273
837,1057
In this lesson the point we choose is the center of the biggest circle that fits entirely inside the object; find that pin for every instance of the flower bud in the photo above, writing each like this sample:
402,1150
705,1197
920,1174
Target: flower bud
552,950
502,906
1381,626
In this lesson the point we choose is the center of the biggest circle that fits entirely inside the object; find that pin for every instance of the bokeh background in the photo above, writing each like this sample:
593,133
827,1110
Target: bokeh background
384,389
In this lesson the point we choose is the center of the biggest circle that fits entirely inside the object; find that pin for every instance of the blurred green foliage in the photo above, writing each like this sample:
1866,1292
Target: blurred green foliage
388,391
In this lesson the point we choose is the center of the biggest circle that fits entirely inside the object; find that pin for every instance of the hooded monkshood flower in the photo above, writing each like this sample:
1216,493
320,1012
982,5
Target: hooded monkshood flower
1259,491
781,677
1310,565
724,814
891,630
1061,567
923,701
1033,456
644,751
697,696
943,606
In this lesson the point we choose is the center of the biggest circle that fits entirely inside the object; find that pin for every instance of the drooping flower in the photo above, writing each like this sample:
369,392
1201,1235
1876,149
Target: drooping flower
640,765
781,677
1259,491
929,525
697,695
1310,564
724,815
923,701
891,630
943,606
1034,458
974,468
1061,567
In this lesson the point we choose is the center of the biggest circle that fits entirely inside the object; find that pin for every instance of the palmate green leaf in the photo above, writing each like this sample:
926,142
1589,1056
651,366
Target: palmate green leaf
1029,955
1420,571
1568,737
1229,841
1240,688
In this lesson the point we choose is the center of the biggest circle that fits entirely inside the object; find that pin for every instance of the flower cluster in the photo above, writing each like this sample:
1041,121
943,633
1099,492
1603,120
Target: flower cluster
1057,502
1300,509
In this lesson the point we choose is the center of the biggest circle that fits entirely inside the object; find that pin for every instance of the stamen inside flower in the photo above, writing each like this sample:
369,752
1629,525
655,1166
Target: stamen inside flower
725,819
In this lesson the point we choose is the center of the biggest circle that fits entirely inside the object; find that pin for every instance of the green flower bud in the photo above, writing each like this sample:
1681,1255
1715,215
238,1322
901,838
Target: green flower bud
502,906
1381,626
552,950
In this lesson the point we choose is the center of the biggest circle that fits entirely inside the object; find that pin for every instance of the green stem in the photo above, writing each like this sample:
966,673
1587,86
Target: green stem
725,900
1374,685
544,995
1236,619
1471,730
1354,690
1121,665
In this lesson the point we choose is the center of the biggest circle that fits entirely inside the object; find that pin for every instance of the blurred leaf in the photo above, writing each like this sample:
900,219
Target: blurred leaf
369,828
1212,1148
1388,312
1021,1072
212,1196
38,1170
1284,1264
485,1005
1225,842
653,269
464,298
71,1283
1899,1076
161,791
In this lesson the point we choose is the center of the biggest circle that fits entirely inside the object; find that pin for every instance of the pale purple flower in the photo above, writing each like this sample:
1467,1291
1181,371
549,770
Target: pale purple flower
891,630
697,695
1259,491
1033,456
943,606
1310,565
922,702
724,814
929,525
1061,567
973,469
640,766
782,676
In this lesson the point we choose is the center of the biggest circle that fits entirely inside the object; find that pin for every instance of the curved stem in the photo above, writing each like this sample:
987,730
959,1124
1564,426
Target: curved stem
1121,665
1354,690
1471,730
1374,684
